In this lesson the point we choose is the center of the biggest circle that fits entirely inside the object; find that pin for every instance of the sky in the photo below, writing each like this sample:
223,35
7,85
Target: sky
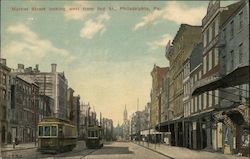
105,50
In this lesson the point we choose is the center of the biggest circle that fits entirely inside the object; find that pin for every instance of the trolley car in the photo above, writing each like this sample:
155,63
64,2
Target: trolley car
56,135
94,138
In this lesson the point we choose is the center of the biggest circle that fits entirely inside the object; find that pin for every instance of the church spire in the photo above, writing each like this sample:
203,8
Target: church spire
125,114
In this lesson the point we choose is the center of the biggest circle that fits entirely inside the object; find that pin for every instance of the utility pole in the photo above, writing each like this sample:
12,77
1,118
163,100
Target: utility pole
44,88
138,121
100,118
34,107
137,104
1,110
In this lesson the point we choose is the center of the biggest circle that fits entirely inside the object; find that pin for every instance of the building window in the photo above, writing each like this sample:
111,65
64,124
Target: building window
210,60
4,79
216,97
210,34
225,34
204,100
205,40
216,56
216,26
207,32
232,29
192,110
232,59
200,75
200,102
210,98
4,94
213,30
241,20
204,64
195,104
189,107
240,53
4,113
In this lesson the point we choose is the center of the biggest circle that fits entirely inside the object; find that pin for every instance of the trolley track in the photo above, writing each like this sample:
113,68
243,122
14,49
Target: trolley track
89,153
83,153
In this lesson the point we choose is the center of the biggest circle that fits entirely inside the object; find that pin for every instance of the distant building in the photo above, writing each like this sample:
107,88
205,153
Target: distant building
118,132
83,120
76,113
70,95
158,75
46,104
108,129
135,126
165,110
145,122
125,125
53,84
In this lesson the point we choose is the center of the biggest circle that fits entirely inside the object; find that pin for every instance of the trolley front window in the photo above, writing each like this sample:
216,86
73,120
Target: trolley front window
53,131
92,134
46,130
40,131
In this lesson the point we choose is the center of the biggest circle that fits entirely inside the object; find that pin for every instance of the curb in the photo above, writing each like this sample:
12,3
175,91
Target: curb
154,151
18,149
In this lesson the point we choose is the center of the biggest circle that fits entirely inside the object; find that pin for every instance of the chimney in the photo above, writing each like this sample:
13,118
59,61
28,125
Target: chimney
3,61
53,67
20,66
28,70
37,67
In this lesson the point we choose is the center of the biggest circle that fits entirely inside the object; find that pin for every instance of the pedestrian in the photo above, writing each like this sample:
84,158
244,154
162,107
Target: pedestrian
14,143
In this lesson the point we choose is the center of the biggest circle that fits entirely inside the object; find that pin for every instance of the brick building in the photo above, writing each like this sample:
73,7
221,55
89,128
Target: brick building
4,97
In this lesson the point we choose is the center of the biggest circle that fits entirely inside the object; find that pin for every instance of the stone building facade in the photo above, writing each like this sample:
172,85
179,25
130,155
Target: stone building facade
177,53
76,113
234,49
24,110
226,40
53,84
213,99
4,98
84,110
70,95
108,129
158,74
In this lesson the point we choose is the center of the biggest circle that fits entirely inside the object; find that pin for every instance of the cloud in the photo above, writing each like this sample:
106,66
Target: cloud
92,27
28,46
77,14
181,13
161,42
175,12
149,19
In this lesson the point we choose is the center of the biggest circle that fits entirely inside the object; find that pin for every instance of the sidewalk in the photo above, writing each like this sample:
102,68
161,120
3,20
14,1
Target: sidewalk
31,145
22,146
185,153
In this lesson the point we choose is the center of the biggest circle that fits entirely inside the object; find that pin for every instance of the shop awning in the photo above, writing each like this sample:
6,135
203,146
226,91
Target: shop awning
159,126
237,77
